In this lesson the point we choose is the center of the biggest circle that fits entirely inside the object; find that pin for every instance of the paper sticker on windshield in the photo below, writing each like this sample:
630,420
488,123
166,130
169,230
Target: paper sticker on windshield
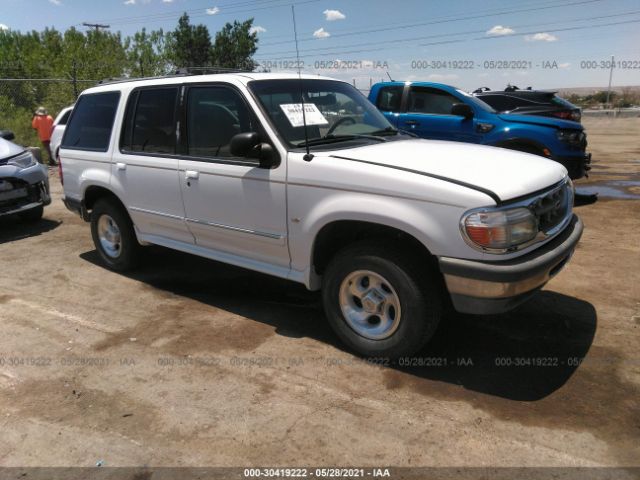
312,115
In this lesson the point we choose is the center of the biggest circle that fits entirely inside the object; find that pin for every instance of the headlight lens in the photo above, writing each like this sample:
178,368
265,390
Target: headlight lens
500,229
24,160
573,137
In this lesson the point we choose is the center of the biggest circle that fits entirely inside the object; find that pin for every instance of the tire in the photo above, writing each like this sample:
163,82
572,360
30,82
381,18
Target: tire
395,332
32,215
113,236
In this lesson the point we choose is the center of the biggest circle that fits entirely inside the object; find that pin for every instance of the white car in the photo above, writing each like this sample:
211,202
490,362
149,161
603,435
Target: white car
393,229
59,125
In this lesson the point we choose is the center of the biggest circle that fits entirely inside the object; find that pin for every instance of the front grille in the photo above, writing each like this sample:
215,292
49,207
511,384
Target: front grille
32,194
552,208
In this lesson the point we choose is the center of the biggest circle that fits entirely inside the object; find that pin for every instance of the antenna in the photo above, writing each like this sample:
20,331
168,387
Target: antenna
389,76
308,156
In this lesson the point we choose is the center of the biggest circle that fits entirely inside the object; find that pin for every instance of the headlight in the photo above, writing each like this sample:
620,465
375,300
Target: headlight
24,160
573,137
499,229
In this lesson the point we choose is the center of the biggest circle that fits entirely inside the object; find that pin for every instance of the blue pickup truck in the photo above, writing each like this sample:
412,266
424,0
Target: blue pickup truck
443,112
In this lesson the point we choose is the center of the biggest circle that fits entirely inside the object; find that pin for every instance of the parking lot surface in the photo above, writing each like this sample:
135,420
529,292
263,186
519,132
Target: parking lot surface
190,362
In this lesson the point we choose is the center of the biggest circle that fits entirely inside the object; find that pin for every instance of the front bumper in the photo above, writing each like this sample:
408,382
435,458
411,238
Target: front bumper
23,196
495,287
576,165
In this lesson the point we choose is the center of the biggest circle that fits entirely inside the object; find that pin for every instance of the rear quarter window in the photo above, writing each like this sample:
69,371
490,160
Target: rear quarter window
65,118
91,123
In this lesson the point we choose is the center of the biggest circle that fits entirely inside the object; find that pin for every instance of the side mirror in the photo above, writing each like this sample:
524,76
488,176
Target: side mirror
248,145
242,143
462,110
7,134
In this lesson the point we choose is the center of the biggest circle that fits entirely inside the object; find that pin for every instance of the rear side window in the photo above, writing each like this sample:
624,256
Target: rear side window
149,124
389,98
65,118
430,100
91,123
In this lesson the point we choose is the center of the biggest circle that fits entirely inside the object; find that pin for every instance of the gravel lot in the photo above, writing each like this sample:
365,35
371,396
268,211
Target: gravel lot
190,362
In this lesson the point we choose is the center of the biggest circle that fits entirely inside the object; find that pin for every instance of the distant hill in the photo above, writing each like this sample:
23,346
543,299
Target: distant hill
583,91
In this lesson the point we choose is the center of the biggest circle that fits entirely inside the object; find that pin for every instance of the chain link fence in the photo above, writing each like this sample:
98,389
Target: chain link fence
20,97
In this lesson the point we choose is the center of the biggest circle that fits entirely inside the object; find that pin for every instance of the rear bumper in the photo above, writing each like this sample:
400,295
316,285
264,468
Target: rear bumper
76,206
494,287
576,165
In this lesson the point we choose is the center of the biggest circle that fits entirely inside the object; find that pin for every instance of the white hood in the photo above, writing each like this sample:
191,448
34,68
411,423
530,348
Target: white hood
507,173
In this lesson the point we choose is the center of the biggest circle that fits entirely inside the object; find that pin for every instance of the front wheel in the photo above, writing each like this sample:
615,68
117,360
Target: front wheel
113,235
379,303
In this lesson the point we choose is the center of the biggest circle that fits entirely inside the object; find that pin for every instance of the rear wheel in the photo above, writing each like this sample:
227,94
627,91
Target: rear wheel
113,235
378,302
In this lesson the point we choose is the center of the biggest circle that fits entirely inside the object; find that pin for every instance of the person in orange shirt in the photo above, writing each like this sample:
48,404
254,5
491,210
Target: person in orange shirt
43,123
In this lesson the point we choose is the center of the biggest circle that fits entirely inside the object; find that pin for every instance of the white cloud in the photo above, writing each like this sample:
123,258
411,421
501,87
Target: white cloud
212,11
564,65
130,2
500,30
257,29
333,15
57,3
438,77
541,37
3,27
321,33
167,1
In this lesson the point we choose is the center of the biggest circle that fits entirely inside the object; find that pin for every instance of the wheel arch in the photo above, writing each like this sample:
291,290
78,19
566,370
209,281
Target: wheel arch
524,144
338,234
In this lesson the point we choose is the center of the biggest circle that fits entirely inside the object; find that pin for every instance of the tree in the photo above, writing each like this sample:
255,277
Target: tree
146,53
235,45
190,45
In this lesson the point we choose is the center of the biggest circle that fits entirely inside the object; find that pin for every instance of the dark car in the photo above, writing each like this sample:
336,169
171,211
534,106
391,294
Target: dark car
529,102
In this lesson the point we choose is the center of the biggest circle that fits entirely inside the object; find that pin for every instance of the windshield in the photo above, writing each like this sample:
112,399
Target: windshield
334,111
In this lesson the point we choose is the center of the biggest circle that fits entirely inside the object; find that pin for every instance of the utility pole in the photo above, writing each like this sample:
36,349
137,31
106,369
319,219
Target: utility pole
97,26
610,76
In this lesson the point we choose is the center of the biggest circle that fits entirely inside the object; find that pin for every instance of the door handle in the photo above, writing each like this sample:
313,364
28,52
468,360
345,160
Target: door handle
191,174
121,166
411,122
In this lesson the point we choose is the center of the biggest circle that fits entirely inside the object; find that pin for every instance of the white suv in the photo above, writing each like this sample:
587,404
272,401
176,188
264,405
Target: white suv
393,229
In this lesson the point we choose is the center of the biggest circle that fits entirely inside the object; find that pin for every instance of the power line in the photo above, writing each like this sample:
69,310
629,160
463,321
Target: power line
445,20
453,34
343,52
202,12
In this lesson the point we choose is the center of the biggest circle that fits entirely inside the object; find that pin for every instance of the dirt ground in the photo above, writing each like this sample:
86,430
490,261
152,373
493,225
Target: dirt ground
187,362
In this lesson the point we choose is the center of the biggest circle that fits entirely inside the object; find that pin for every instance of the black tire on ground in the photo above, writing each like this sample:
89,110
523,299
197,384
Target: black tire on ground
128,253
32,215
419,291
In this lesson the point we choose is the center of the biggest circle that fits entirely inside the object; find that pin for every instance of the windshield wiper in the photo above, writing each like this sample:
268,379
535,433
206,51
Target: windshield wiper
387,132
338,138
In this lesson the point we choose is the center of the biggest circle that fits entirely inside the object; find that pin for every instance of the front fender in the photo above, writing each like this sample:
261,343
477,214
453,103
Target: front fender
434,225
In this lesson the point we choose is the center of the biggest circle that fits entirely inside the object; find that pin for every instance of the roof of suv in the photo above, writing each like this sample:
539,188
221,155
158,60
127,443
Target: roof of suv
243,78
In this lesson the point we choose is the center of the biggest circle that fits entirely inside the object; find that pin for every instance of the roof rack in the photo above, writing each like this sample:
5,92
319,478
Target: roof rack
180,72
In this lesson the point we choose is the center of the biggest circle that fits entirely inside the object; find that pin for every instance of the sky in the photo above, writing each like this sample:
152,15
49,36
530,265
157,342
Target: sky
539,43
